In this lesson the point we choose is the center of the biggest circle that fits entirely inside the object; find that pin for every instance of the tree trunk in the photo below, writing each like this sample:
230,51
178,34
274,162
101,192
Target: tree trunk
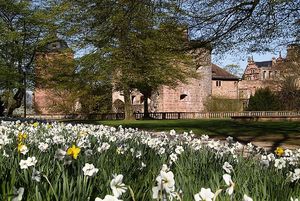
146,108
127,105
18,97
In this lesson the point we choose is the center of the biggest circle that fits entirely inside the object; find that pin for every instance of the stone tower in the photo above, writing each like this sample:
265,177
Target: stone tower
53,59
190,97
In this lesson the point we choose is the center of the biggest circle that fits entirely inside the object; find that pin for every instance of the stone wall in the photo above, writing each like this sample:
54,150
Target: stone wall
227,89
192,96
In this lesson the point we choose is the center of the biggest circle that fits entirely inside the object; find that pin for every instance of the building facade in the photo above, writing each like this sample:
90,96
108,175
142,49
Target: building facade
186,97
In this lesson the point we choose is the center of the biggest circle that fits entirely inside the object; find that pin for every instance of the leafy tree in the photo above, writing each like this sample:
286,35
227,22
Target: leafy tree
23,27
264,100
289,93
95,84
140,43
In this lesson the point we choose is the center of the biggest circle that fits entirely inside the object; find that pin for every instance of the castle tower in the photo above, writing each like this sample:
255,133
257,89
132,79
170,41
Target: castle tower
190,97
53,59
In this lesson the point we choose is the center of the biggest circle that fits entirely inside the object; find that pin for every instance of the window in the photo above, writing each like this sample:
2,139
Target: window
183,96
218,83
252,71
270,74
264,75
132,99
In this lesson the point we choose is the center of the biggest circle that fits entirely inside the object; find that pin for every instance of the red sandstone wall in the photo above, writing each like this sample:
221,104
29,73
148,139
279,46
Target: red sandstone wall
228,89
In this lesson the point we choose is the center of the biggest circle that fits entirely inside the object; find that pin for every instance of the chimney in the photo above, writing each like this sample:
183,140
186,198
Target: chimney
250,60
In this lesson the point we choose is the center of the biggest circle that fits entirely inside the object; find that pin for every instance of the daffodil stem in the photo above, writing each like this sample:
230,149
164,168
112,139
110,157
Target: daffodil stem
131,193
51,187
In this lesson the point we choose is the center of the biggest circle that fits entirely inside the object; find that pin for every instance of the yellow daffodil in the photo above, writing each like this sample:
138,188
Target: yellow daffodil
20,146
279,151
22,136
73,151
35,124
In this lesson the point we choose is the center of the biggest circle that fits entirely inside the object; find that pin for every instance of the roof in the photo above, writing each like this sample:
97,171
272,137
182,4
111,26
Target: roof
219,73
264,64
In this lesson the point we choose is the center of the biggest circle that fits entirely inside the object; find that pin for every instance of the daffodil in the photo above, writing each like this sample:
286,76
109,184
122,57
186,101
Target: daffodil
247,198
117,186
227,167
73,151
35,124
18,194
108,198
22,136
22,148
279,151
229,183
205,195
89,170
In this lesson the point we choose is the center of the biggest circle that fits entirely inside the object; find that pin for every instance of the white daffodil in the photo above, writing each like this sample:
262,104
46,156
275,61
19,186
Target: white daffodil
30,161
229,183
205,194
165,181
247,198
108,198
280,163
117,186
23,149
292,199
227,167
89,170
161,151
36,176
173,157
179,150
295,175
43,146
18,194
60,154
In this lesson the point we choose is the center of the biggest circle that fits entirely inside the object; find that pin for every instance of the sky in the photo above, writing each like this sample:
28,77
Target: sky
241,59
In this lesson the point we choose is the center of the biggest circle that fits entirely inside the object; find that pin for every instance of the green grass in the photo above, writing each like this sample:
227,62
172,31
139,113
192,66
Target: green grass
278,133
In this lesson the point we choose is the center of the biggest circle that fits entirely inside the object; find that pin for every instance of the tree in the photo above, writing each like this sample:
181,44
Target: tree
23,27
251,25
95,84
289,79
1,108
234,69
140,42
264,100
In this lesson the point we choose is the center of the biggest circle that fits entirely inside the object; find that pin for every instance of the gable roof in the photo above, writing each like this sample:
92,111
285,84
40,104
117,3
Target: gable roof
219,73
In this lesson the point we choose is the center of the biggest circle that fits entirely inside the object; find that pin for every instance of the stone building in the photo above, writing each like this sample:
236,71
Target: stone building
54,57
265,73
186,97
224,84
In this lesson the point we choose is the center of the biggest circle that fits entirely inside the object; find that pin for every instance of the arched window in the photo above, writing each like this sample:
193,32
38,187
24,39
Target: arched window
183,96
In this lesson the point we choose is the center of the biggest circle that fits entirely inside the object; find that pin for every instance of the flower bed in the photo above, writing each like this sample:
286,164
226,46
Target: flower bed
91,162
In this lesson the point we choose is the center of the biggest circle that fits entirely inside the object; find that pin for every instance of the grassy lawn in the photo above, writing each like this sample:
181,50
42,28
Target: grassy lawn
277,132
